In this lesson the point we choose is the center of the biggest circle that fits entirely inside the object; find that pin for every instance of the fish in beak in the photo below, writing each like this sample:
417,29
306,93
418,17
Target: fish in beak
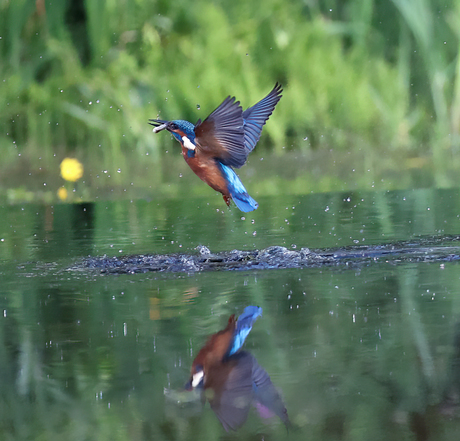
158,124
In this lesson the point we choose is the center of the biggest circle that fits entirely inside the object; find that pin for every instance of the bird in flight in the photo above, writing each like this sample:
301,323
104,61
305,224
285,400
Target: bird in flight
223,141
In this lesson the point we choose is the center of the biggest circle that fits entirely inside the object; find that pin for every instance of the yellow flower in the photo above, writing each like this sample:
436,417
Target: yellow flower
71,169
62,193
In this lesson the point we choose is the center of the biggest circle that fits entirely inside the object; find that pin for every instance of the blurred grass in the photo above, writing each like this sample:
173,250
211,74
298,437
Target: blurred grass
364,76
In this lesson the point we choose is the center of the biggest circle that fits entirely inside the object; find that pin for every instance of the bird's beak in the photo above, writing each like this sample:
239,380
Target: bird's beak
158,124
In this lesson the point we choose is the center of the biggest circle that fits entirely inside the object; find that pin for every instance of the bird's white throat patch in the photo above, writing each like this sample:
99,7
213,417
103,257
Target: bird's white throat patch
187,143
196,379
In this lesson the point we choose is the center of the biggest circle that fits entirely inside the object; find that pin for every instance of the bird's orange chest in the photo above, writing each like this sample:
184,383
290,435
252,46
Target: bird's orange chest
217,346
206,168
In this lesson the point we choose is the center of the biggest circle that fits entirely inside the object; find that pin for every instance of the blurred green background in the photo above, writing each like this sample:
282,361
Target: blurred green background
372,84
371,102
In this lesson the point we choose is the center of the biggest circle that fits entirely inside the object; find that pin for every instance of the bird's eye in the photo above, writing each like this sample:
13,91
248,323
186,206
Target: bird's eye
173,126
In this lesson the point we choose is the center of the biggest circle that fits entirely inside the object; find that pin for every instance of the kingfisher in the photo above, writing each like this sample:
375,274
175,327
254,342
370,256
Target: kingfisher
231,379
223,141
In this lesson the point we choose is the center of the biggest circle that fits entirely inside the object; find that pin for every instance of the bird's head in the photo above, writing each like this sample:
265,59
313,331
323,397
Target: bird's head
179,128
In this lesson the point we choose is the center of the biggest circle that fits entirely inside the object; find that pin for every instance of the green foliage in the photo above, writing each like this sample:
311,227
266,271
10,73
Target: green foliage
86,75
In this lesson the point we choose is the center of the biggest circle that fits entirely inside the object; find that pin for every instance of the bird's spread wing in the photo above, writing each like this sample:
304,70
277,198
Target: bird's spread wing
267,396
221,134
255,117
233,397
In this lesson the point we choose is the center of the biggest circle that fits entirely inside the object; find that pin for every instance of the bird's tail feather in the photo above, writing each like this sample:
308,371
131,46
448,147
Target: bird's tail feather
245,202
236,188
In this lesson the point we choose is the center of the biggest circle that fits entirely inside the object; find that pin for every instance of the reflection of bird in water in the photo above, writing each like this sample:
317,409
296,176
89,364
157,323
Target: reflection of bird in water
231,379
222,141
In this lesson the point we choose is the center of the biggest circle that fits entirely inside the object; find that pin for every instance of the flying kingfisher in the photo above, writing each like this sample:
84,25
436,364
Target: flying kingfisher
222,141
231,379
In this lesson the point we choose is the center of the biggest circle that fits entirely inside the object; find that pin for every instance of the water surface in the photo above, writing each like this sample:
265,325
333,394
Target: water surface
358,352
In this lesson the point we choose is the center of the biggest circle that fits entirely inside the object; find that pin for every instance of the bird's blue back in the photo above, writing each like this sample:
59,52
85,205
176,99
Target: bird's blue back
244,326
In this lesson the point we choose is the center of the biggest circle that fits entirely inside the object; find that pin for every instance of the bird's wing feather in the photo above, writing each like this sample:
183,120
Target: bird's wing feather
255,117
266,394
232,400
221,134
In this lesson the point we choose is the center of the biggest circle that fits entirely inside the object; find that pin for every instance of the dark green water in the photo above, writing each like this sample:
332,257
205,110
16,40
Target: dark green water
358,352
